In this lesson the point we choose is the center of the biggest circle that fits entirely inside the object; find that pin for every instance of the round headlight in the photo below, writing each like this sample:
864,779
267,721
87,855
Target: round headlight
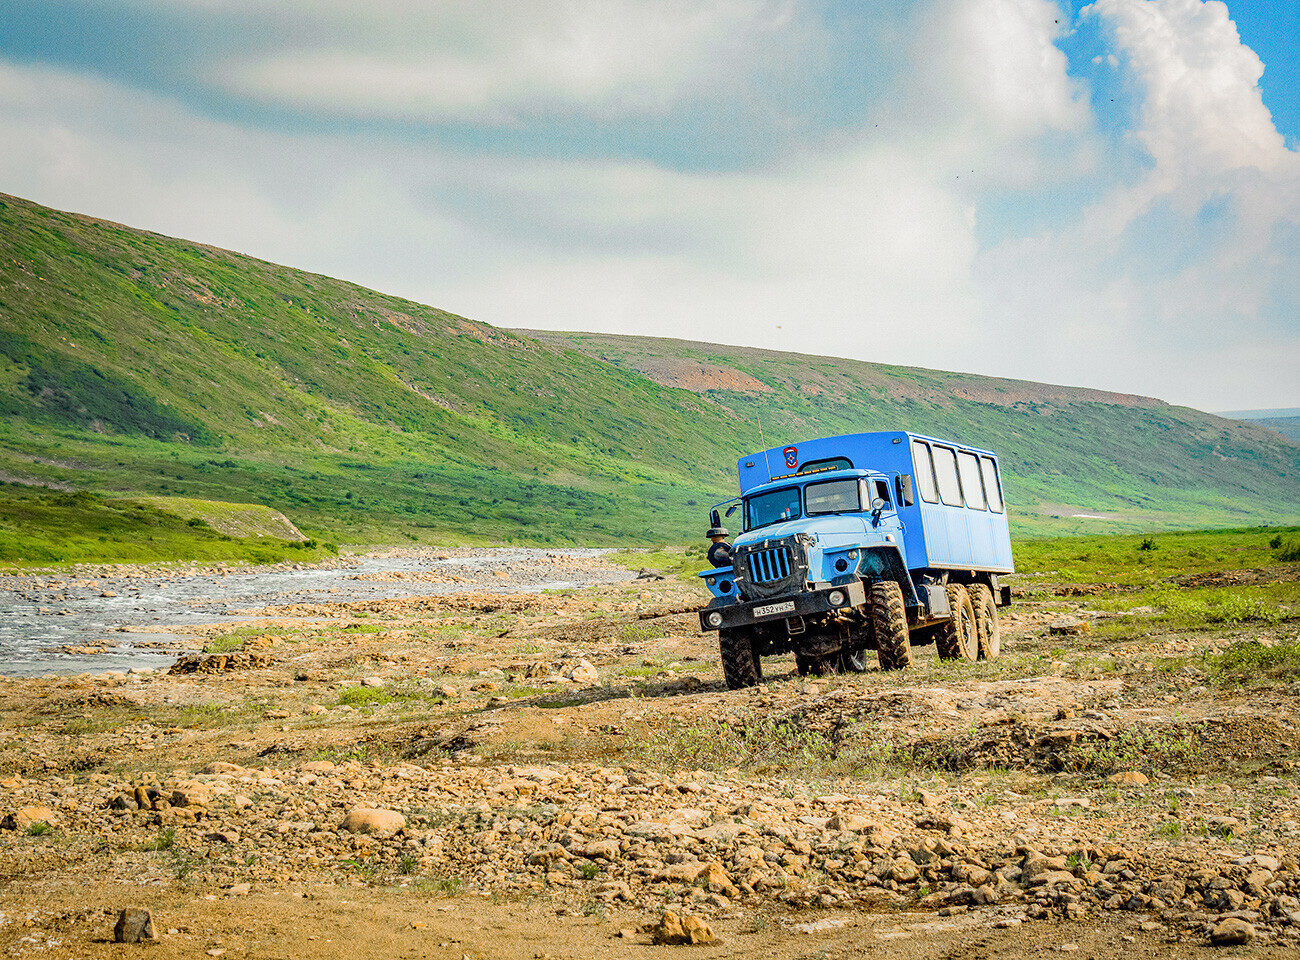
724,586
836,597
715,619
841,564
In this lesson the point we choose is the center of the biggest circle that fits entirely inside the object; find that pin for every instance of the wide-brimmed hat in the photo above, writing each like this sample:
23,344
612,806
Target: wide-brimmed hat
717,532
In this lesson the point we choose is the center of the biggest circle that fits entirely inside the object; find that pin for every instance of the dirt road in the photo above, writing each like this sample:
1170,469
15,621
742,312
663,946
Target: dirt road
525,775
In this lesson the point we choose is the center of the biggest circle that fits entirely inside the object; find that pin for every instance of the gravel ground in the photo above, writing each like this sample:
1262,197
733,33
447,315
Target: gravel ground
511,773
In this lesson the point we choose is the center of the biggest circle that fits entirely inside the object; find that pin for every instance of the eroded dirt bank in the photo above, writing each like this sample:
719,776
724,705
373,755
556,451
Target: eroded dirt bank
554,771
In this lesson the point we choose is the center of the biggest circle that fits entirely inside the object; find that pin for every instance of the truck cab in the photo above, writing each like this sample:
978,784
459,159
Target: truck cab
876,541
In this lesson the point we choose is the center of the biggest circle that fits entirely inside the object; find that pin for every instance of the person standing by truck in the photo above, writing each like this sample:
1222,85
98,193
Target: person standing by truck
720,550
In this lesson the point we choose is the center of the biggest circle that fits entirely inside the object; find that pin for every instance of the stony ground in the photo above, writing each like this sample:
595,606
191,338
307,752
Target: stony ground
523,775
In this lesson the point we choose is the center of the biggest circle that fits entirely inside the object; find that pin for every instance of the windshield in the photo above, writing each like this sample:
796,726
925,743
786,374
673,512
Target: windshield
833,496
769,508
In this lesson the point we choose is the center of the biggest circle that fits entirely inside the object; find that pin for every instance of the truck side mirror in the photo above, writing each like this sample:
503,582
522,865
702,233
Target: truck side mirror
732,509
905,496
714,519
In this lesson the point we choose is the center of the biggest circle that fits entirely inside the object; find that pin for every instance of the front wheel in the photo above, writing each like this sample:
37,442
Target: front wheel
958,638
986,621
889,620
741,665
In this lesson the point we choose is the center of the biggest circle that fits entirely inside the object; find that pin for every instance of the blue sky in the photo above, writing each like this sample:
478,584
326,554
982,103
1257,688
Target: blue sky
1103,194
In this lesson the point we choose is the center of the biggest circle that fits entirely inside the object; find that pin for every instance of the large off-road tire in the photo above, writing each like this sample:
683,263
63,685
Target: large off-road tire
889,620
740,662
958,637
986,621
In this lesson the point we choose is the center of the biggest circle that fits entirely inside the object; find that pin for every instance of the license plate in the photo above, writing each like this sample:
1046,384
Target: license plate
772,609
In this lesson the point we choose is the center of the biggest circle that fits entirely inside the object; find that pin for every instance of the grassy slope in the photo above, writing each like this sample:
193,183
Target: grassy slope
1140,462
130,362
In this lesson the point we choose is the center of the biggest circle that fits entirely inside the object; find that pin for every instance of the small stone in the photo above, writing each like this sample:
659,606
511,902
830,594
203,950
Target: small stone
314,710
220,766
1232,932
373,821
133,925
447,690
1069,628
1129,778
372,681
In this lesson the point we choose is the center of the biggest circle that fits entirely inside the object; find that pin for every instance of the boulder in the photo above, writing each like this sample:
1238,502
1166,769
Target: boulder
382,823
133,925
673,930
1232,932
25,817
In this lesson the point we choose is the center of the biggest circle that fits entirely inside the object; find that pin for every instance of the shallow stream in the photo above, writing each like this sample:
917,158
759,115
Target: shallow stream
140,621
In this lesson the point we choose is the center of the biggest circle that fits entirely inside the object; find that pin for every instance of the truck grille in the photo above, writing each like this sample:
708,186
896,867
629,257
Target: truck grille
768,566
771,568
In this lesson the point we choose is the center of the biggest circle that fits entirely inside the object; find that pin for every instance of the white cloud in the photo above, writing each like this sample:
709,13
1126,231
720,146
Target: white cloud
1203,112
863,247
494,61
1181,279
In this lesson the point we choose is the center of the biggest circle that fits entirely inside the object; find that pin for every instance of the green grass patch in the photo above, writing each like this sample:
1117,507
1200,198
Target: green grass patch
364,697
41,527
1135,750
1123,560
1251,662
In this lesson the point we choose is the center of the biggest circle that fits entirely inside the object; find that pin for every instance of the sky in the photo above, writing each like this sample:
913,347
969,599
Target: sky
1103,194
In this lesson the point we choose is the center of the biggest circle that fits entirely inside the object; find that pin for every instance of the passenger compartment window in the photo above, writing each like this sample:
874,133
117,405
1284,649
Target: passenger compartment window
833,496
924,472
945,471
970,479
992,483
882,490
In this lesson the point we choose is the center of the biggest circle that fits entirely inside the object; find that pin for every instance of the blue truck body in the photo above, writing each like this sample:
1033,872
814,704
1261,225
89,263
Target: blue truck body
830,523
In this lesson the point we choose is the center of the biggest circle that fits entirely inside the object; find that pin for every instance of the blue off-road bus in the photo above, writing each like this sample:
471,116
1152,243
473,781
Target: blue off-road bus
870,541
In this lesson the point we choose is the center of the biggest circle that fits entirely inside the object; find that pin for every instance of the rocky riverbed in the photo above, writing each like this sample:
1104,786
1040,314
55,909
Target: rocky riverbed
524,774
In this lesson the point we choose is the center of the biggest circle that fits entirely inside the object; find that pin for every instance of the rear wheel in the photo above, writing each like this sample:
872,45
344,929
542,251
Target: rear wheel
958,638
740,662
889,620
986,621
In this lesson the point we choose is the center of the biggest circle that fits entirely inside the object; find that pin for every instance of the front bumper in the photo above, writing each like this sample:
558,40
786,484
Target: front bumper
807,603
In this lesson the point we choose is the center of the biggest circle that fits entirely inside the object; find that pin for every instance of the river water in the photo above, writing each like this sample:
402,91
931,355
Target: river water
41,614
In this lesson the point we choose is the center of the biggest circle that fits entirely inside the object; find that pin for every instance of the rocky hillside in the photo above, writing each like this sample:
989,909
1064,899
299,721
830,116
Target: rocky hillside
135,363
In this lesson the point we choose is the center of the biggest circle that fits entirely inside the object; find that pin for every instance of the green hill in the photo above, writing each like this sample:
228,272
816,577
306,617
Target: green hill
132,363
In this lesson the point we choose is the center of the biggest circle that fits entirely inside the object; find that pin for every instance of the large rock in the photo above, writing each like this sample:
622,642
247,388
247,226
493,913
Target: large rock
192,795
1232,932
584,673
24,818
673,930
133,925
381,823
